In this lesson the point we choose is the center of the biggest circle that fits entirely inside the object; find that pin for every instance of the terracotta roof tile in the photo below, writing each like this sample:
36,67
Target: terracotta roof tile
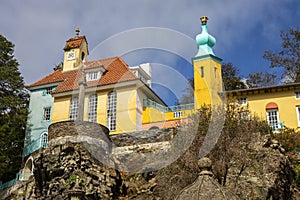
74,42
116,71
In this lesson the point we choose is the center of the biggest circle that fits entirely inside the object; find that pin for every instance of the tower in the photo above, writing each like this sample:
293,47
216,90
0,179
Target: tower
207,70
75,52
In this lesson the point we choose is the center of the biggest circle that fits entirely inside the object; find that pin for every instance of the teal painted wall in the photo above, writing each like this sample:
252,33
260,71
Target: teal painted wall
37,125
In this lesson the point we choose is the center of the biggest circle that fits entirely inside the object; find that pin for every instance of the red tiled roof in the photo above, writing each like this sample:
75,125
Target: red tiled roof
116,71
74,42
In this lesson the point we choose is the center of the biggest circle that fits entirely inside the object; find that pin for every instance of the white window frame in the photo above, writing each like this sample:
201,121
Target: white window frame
49,90
44,140
111,120
177,114
74,107
92,108
274,123
93,76
244,115
243,101
47,113
298,115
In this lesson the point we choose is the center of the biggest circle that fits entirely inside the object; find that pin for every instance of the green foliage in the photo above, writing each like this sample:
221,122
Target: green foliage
13,112
232,144
260,79
289,138
298,175
58,66
230,148
231,79
72,178
289,57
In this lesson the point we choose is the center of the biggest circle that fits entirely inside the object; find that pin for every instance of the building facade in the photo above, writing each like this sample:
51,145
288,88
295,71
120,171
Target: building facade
110,92
278,105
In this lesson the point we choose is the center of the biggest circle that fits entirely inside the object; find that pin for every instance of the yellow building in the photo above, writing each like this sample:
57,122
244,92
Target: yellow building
109,92
278,105
113,93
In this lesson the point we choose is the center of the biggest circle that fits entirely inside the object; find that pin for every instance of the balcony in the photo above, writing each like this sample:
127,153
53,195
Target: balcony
149,103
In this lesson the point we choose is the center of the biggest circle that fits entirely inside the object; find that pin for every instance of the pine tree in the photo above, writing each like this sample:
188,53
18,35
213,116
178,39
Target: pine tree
13,111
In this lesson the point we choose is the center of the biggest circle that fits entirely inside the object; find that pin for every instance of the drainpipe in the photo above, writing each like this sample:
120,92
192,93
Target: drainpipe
82,84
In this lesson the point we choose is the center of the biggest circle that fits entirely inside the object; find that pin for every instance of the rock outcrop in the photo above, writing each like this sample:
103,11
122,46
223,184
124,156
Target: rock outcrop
67,169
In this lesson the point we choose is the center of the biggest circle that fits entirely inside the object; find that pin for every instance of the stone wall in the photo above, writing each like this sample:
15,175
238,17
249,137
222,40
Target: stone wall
71,128
68,169
143,137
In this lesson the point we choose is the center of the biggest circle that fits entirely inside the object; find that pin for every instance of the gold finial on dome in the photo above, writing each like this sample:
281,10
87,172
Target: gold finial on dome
204,19
77,32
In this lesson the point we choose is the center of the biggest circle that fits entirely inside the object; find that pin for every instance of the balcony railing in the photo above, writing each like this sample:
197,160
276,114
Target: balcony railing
20,176
149,103
35,145
276,126
32,147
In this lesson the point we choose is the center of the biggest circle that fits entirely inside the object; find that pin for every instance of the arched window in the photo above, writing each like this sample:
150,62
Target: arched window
92,109
82,56
28,170
273,115
44,140
111,110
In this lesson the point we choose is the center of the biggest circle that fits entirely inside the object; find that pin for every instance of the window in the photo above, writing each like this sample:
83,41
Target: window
111,110
242,101
74,108
47,113
48,90
244,115
202,72
177,114
297,94
273,119
92,109
298,115
92,76
44,140
215,72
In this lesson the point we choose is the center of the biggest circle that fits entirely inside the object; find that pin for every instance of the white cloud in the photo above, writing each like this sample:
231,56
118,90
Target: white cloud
39,29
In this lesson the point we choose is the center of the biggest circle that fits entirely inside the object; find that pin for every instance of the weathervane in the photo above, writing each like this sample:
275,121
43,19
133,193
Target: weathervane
77,31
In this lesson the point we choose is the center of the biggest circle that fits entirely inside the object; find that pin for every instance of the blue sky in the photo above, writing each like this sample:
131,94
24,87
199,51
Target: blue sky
244,29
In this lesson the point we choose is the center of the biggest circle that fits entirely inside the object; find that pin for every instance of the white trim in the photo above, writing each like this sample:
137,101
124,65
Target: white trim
93,76
42,138
277,120
298,115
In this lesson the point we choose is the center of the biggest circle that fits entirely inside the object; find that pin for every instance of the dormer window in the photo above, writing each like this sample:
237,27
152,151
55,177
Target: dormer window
242,101
93,76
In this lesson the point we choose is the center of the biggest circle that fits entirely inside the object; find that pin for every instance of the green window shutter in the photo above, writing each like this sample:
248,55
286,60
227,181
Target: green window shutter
44,92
